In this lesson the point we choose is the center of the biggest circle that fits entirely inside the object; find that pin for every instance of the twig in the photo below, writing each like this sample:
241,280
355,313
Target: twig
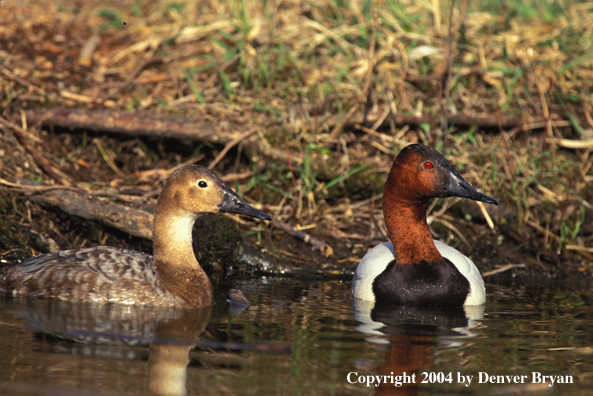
580,249
363,95
454,229
542,230
382,136
573,144
317,243
374,221
137,71
108,157
502,269
563,210
230,177
338,128
22,81
291,257
7,252
79,98
86,53
22,136
229,146
381,119
35,187
485,214
221,68
373,132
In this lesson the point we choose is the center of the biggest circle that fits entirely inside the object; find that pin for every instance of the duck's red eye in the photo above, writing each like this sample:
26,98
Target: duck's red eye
428,165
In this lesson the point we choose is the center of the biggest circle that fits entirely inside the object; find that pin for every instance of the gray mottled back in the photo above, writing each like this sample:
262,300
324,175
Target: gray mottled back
97,274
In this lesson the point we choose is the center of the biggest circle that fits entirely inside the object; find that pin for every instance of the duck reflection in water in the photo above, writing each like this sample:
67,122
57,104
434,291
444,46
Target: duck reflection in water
412,333
112,331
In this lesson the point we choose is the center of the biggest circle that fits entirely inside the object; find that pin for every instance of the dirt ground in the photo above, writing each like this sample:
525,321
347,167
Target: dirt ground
280,100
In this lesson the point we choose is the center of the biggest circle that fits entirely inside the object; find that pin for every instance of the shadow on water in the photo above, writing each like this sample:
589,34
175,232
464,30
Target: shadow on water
299,338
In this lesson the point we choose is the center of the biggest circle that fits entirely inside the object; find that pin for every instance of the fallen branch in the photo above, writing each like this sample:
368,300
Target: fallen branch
524,123
133,124
133,221
480,121
317,243
141,123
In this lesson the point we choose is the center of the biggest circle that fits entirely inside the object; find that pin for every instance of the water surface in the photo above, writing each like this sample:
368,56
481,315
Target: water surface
300,338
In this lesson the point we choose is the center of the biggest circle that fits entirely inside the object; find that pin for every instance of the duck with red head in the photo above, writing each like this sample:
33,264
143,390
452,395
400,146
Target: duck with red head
172,278
414,269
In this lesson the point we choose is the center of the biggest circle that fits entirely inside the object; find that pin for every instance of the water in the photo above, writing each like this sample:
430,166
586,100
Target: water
299,338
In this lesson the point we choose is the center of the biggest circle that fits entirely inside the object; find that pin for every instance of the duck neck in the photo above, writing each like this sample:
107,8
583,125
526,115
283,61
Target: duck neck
408,230
174,259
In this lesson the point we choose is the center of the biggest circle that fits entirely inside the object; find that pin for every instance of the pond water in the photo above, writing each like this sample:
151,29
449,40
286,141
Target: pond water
300,337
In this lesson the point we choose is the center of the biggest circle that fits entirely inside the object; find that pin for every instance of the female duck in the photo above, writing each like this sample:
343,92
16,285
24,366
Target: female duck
414,269
172,278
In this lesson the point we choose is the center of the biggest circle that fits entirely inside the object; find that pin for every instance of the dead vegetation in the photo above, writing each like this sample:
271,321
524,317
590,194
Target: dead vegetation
302,107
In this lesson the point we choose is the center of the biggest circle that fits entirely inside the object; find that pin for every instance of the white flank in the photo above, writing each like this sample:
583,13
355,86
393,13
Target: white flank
376,260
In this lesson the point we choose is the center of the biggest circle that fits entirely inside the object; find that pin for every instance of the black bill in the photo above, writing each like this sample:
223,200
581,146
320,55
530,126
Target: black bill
232,203
458,187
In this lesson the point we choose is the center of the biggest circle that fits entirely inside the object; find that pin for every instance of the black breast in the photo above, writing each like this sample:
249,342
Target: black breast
422,284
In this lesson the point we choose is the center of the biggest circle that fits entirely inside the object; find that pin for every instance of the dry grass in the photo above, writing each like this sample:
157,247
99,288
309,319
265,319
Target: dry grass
293,70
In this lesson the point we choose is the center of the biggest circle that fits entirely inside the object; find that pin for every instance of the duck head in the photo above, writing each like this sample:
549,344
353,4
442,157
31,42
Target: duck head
420,172
194,189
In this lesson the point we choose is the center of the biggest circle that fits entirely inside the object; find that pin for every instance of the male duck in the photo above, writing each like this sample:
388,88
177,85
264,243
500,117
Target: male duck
414,269
172,278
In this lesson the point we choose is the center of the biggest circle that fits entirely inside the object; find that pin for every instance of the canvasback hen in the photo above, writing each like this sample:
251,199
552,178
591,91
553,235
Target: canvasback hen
171,278
414,269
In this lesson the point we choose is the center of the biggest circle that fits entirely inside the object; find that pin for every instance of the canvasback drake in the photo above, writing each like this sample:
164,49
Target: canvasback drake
414,269
172,278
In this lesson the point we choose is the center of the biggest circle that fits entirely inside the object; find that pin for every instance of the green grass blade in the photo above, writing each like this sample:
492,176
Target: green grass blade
347,175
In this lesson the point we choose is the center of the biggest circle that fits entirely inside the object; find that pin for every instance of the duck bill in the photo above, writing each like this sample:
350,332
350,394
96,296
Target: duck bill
458,187
232,203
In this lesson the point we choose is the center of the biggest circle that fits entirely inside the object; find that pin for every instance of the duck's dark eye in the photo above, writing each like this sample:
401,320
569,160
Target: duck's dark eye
428,165
202,184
